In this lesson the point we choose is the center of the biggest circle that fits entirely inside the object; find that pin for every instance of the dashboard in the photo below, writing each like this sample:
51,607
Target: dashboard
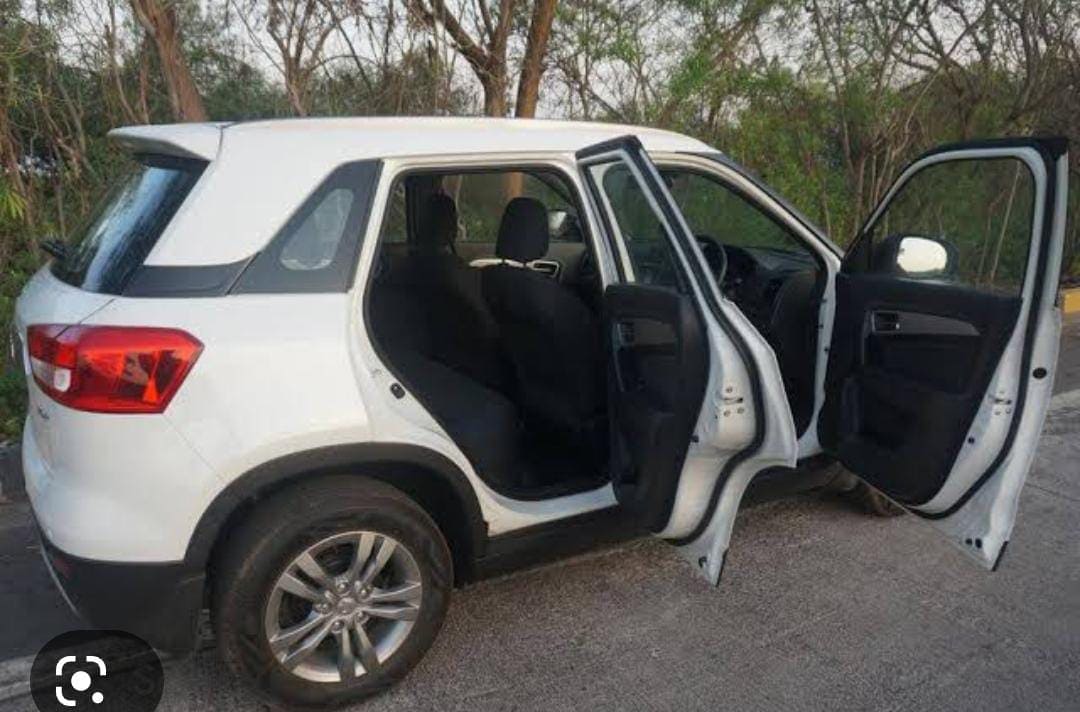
754,275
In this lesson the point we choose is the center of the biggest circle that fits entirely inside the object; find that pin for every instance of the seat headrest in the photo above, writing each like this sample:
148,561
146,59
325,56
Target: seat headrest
523,232
438,226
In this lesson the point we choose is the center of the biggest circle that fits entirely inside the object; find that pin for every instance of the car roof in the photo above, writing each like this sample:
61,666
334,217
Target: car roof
355,138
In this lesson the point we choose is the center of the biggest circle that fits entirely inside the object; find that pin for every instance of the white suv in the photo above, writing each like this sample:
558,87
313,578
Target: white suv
312,374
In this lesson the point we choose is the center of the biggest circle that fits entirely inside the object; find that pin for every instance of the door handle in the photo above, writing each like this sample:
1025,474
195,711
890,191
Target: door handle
886,322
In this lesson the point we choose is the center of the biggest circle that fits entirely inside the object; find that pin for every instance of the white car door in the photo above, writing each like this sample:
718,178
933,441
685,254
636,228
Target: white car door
942,358
696,402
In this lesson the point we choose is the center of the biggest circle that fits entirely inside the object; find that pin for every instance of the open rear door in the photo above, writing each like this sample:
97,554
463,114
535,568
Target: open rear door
696,401
946,336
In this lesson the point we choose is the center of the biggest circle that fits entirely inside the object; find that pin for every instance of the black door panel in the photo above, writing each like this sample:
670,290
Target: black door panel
905,323
909,364
660,369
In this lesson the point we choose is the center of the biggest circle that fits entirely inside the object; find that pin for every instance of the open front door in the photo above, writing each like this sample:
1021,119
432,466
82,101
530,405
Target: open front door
946,335
696,401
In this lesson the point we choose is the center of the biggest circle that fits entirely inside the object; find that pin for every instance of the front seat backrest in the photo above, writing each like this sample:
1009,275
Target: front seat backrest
438,227
792,333
462,333
549,335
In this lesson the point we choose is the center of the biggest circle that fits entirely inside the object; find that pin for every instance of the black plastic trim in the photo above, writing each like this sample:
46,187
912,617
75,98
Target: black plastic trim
1052,147
171,281
1000,556
351,459
267,275
635,150
159,602
556,539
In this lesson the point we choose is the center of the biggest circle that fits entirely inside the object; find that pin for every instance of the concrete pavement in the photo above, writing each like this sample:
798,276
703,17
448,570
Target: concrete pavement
1068,375
820,607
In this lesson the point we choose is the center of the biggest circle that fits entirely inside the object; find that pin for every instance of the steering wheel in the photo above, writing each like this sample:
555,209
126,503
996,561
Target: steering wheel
715,256
587,270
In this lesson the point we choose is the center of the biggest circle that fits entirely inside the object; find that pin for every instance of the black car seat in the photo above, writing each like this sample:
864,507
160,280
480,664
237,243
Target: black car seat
462,331
793,333
550,337
415,306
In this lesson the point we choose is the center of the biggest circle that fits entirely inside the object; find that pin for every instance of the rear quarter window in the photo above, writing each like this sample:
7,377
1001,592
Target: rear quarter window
118,236
318,247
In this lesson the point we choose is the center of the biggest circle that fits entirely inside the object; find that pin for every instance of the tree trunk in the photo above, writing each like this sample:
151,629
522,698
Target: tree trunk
295,89
532,64
486,56
158,18
494,83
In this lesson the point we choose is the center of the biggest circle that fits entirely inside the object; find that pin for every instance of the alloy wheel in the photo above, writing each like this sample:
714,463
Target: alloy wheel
343,606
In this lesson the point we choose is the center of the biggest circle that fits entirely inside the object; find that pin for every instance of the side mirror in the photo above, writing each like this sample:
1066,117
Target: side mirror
563,226
917,256
557,221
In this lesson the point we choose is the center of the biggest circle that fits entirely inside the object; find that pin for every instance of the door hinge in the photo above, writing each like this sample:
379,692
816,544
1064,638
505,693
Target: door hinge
731,401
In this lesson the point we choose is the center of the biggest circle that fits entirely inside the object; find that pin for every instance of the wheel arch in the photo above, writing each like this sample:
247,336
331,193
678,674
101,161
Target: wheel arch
429,478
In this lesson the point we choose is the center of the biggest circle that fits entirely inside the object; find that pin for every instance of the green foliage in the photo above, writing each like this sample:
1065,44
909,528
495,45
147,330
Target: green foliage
12,405
12,205
826,101
13,274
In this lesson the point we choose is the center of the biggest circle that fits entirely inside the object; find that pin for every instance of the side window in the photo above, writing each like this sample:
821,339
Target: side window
482,197
314,243
712,209
964,222
395,222
317,249
563,219
643,233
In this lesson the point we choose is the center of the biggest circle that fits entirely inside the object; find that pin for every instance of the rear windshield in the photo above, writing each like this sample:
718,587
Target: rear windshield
120,234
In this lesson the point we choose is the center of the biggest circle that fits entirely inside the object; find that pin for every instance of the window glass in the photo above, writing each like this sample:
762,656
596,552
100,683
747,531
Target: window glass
395,222
964,221
712,209
119,236
643,233
314,243
482,197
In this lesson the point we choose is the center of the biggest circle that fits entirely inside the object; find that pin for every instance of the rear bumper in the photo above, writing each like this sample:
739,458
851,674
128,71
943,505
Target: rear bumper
160,603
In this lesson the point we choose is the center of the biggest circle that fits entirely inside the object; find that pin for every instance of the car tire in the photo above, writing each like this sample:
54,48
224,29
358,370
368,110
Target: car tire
873,502
330,520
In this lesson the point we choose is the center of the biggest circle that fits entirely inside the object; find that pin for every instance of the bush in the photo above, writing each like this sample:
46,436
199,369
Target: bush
12,404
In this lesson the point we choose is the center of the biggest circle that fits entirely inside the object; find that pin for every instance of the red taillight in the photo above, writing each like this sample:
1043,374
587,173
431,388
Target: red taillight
111,369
